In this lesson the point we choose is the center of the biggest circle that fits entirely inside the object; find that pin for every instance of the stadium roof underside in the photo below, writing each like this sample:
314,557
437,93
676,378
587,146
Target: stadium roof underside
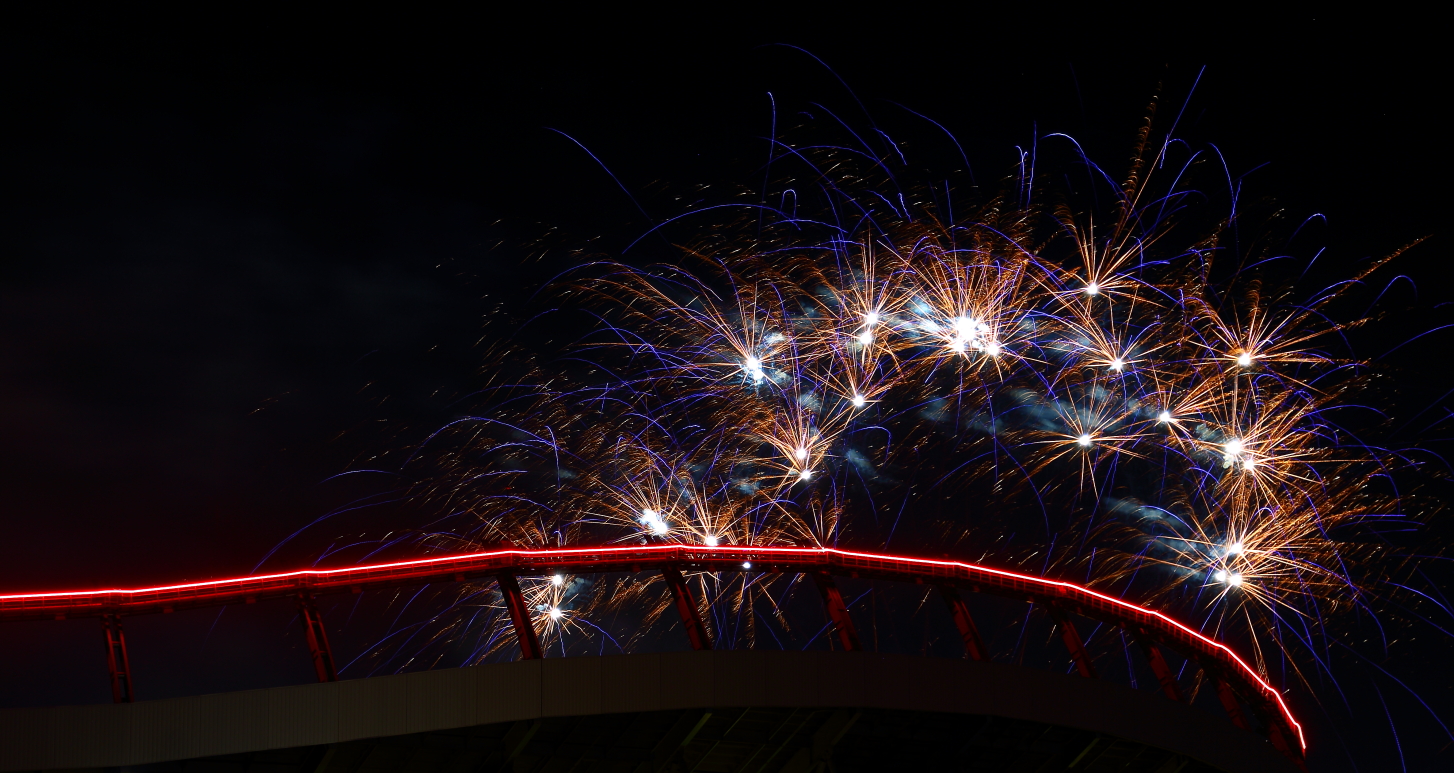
706,711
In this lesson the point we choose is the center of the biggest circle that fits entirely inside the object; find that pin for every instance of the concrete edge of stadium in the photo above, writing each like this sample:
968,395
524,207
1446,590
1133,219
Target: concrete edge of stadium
107,736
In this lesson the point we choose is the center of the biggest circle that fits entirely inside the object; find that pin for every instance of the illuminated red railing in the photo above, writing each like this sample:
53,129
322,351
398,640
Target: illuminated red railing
1231,673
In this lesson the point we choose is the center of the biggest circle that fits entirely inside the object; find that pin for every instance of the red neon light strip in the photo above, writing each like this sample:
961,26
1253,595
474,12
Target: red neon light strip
705,553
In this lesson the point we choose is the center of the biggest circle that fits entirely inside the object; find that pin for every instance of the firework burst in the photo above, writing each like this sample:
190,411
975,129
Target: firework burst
1141,417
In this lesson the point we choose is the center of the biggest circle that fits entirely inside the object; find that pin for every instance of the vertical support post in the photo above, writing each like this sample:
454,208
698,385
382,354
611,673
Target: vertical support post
973,644
837,611
317,638
519,617
687,608
1073,642
116,660
1159,666
1229,702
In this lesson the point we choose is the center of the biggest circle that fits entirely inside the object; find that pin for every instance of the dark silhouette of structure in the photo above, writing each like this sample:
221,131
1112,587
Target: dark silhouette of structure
807,709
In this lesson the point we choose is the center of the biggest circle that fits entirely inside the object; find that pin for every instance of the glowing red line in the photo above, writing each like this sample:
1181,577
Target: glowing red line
1212,642
748,552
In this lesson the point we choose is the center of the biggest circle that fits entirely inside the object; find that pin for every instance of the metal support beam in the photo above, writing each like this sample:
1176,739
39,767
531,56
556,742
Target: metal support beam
1229,702
519,617
317,638
973,644
117,661
652,557
1073,642
687,608
1280,742
1278,733
1159,666
837,611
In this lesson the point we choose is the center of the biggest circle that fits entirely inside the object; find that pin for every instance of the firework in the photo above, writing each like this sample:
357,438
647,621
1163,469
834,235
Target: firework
1140,418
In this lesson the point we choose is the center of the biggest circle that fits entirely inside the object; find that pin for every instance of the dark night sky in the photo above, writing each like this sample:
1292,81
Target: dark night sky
238,255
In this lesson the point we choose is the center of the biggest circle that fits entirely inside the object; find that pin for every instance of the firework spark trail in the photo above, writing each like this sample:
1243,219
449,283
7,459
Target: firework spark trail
1140,413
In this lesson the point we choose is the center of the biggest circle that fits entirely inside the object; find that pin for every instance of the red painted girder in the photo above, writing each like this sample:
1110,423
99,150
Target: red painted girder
837,611
691,617
117,660
1159,666
1228,697
519,617
1073,643
317,638
1166,630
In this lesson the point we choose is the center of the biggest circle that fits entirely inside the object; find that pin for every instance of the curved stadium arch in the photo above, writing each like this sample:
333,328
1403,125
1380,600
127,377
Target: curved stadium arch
1237,682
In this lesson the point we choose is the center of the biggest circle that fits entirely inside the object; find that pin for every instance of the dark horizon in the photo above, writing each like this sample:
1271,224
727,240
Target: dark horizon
240,262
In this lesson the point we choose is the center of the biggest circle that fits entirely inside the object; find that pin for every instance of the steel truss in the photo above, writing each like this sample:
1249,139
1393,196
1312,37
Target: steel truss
1237,683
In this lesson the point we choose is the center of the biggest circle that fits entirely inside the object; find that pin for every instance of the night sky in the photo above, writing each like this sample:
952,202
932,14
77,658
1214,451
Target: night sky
240,256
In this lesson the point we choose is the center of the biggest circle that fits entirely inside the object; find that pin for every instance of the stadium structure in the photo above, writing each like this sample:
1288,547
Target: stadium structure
695,710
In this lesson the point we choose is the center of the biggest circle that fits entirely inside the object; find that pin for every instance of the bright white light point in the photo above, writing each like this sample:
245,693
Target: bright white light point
1117,364
653,519
1219,576
711,542
1234,549
1244,359
1235,579
870,318
753,366
746,564
805,475
992,350
1084,440
555,613
557,581
858,401
1092,289
1164,416
957,345
866,337
802,453
1235,452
